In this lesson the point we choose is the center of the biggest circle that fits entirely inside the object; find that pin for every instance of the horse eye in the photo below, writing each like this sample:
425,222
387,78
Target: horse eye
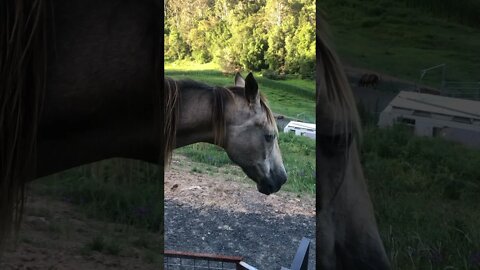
269,138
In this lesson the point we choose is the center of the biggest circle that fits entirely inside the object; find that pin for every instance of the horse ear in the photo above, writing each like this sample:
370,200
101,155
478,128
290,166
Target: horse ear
239,81
251,88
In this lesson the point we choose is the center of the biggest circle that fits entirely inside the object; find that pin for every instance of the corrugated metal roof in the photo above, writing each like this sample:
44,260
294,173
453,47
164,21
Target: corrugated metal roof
301,125
437,104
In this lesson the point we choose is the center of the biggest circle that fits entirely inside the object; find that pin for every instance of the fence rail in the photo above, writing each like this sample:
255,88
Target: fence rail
179,260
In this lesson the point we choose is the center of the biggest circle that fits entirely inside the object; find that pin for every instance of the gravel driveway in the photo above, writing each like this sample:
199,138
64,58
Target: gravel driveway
219,214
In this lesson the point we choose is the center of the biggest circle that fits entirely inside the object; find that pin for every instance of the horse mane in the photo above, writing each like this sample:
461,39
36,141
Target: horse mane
170,112
334,96
333,86
22,83
220,96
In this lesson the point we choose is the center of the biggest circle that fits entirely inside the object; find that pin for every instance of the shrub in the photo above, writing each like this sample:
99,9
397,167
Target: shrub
273,75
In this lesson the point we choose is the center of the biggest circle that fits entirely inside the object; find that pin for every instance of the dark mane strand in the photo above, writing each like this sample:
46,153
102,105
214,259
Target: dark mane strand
23,52
171,112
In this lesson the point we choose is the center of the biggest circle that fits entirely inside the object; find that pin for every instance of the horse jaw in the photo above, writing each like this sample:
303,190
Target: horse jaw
269,174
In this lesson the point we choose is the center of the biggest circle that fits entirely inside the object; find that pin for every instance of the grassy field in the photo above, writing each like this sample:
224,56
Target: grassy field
119,190
292,97
426,195
396,39
298,155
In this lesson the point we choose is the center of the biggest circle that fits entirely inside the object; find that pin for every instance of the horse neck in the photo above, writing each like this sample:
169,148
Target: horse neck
194,122
346,195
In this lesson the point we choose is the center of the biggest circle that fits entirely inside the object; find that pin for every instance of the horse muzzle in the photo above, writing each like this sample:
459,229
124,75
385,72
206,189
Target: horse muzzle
272,184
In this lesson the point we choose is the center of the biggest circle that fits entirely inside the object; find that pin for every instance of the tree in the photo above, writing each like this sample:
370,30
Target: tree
267,34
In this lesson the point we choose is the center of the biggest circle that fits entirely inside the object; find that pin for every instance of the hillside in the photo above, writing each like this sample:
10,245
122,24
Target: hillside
424,190
400,38
291,97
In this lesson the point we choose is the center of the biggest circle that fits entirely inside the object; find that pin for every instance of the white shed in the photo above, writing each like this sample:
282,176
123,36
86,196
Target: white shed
432,115
301,129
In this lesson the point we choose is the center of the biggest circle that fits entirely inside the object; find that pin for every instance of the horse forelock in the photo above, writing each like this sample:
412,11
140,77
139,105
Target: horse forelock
22,83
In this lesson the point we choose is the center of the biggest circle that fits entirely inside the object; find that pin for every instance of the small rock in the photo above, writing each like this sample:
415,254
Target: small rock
225,227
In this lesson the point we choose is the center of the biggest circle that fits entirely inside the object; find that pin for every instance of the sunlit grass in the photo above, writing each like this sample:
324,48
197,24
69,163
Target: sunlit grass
291,97
298,155
184,65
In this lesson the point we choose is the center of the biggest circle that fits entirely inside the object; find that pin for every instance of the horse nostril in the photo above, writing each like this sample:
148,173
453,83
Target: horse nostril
283,178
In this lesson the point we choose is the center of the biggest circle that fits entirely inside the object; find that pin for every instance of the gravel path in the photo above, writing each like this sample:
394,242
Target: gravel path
265,241
225,214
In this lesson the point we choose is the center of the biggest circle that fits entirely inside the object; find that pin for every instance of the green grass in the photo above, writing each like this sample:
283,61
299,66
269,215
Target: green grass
298,155
100,244
291,97
122,191
462,11
426,195
393,38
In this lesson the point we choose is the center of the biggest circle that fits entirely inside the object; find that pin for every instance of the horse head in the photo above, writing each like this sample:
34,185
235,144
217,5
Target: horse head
252,136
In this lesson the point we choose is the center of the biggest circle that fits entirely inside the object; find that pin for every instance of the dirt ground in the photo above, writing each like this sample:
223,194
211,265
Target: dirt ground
220,213
56,236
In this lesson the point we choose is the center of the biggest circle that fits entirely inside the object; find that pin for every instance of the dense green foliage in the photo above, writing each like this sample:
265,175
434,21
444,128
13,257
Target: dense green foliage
269,34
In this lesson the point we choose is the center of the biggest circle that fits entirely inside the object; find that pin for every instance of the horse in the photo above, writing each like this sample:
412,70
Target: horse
239,121
368,80
373,79
363,80
347,232
80,81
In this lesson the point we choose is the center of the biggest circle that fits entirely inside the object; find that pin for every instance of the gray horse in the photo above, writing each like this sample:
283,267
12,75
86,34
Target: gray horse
235,118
